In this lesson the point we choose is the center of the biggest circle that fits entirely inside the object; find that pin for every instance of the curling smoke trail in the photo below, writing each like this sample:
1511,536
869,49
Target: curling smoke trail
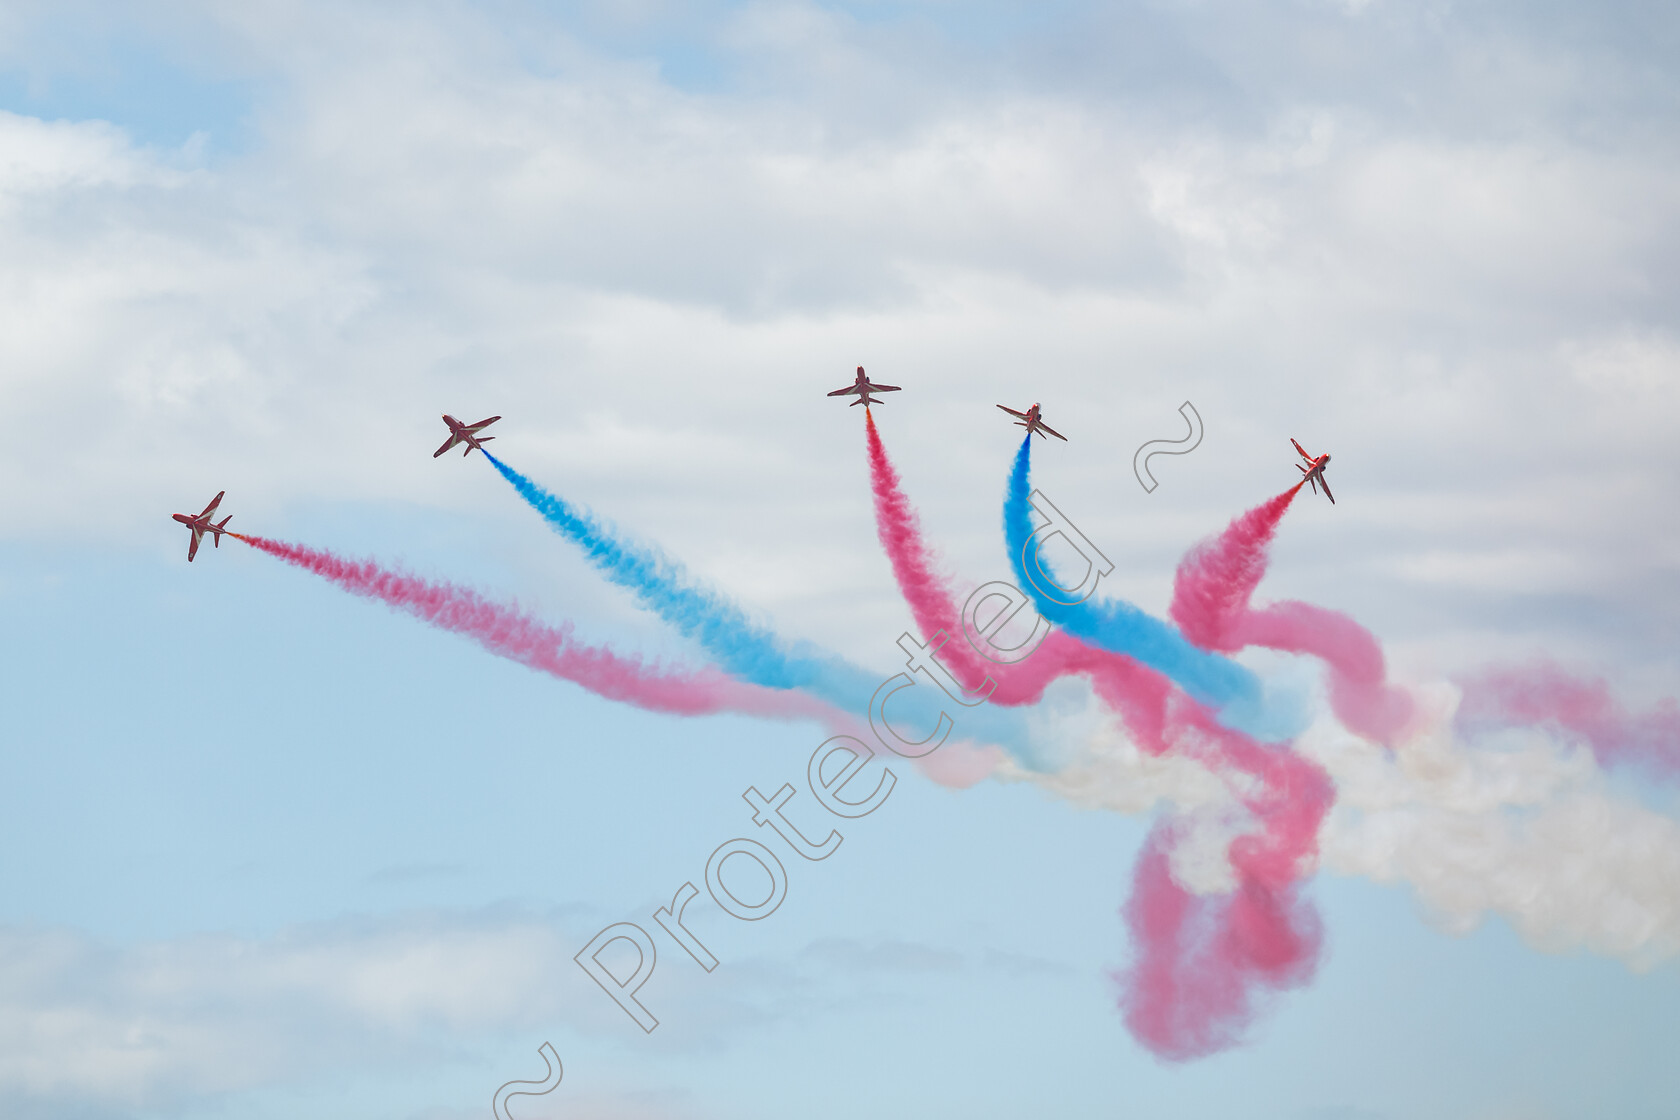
1201,961
1543,694
1136,692
1529,831
1211,605
1217,578
1119,626
510,633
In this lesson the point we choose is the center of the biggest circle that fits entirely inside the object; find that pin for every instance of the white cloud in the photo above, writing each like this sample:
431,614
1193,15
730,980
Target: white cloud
41,157
203,1015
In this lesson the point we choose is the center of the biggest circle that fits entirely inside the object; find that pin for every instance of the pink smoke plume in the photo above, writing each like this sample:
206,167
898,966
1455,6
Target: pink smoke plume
508,632
1133,690
1542,693
1201,961
1211,605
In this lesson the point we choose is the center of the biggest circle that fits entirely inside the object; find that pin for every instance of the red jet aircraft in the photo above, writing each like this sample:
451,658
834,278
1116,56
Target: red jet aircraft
1314,470
202,524
465,433
863,387
1032,423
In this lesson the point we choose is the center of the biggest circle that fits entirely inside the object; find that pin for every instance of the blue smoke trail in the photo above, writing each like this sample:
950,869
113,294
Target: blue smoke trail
743,649
1115,625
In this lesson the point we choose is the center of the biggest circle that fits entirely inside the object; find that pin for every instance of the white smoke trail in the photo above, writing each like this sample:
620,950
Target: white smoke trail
1521,825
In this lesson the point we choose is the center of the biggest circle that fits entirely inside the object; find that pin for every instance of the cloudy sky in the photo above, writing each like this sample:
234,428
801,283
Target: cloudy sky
267,850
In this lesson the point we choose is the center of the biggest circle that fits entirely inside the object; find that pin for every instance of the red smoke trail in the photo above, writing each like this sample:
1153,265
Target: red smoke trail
509,632
1211,605
1201,960
1543,693
1134,690
1217,578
